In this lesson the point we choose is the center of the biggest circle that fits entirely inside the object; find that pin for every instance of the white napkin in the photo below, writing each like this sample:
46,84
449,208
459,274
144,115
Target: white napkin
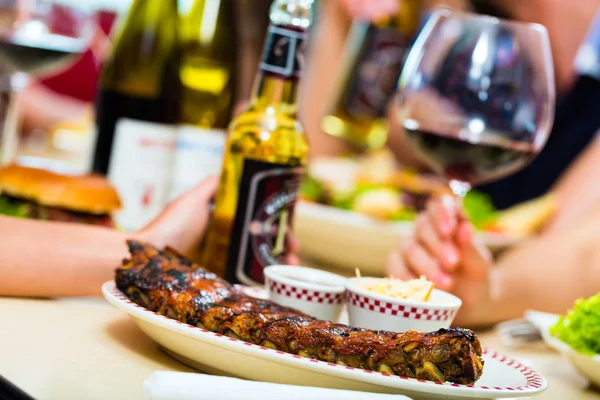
165,385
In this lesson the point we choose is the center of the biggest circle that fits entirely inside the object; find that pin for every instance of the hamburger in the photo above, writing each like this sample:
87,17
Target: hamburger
43,195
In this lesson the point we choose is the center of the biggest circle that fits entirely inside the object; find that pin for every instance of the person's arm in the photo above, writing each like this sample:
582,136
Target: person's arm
324,62
547,274
44,108
252,20
578,190
51,259
46,259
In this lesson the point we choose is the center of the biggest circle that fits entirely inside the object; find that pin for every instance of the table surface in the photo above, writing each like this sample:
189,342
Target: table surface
85,348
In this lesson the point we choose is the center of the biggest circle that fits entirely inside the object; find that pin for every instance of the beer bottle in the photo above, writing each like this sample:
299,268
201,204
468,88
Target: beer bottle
373,58
264,159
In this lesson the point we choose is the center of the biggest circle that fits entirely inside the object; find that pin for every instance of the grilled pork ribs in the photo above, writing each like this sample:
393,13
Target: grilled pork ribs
169,284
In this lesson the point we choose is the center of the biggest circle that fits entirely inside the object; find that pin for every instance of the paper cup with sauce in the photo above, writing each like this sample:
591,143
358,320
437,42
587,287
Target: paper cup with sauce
317,293
378,310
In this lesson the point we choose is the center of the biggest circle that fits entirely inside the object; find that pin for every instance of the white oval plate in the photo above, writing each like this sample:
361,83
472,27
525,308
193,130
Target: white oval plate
359,240
217,354
588,366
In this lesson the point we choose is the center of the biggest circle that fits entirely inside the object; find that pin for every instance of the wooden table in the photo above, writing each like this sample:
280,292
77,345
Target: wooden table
85,349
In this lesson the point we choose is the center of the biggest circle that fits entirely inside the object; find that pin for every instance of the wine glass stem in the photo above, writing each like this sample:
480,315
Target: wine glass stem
9,121
459,188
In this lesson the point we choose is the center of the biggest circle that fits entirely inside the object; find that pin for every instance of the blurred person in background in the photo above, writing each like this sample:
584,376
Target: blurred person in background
550,271
57,110
252,23
69,94
576,121
67,98
324,63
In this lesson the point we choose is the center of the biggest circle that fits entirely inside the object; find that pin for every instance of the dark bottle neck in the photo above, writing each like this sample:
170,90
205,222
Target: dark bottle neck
279,72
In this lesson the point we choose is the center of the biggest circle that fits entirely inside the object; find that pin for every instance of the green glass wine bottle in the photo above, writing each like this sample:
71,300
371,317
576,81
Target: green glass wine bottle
138,110
207,74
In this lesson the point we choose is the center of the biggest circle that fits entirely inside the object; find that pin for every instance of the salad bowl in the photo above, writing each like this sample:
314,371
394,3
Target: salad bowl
344,240
353,211
570,335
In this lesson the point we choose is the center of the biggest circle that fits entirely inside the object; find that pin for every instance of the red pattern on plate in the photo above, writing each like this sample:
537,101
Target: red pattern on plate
397,309
312,296
533,379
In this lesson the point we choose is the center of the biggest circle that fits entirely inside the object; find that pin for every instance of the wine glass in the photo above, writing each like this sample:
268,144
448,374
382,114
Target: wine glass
37,38
476,96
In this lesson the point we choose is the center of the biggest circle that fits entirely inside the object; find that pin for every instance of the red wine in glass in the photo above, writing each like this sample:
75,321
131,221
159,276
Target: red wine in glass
45,54
476,96
458,159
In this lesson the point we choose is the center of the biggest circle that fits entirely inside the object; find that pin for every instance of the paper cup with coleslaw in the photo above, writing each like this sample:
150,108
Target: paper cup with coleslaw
398,306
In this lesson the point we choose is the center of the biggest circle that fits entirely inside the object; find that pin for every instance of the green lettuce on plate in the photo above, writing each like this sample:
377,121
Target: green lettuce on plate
311,189
12,208
405,214
478,206
479,209
580,327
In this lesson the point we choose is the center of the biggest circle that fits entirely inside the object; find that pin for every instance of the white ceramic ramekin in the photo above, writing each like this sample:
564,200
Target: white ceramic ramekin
317,293
376,311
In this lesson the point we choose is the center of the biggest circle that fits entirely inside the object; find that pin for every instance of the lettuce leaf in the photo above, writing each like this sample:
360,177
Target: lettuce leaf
311,189
580,327
343,201
406,214
479,209
13,209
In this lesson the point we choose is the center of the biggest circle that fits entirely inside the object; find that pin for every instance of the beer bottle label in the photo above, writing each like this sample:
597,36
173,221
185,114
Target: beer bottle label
267,197
378,68
283,54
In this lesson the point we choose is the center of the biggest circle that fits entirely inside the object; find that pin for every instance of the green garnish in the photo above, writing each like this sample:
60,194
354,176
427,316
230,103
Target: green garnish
364,187
479,209
406,214
311,189
580,327
346,200
13,209
342,201
478,206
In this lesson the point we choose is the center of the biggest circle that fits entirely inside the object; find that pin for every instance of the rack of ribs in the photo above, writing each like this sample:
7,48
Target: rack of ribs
168,284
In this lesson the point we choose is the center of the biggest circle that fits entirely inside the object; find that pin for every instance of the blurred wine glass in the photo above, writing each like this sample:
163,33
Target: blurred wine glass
476,96
37,38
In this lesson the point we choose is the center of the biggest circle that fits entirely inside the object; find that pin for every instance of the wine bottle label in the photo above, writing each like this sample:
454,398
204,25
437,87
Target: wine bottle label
283,54
140,169
198,154
263,219
378,67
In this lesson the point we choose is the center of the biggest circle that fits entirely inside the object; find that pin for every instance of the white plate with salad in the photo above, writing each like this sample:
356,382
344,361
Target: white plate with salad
353,211
576,335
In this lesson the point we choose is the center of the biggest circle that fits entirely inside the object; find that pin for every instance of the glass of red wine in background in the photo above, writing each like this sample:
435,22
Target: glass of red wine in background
37,38
476,96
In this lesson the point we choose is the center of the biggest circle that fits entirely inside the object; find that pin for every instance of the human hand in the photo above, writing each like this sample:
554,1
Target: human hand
370,9
183,223
444,250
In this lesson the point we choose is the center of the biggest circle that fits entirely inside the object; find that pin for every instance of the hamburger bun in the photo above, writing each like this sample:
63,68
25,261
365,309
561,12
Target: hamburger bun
89,194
